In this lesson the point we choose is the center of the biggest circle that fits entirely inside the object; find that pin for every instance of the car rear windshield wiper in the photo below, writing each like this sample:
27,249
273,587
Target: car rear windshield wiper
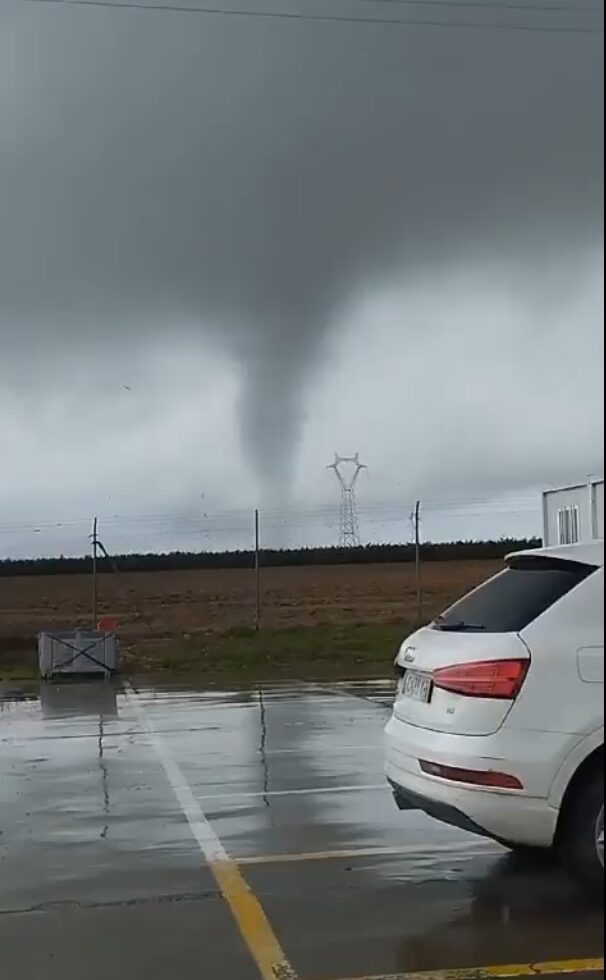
458,626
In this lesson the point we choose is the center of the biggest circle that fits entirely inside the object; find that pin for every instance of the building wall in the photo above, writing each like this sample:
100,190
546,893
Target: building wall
572,509
599,509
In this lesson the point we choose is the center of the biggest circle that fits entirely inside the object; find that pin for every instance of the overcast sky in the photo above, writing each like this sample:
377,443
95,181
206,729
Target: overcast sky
230,246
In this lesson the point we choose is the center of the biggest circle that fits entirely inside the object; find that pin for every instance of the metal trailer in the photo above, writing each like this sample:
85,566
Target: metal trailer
77,652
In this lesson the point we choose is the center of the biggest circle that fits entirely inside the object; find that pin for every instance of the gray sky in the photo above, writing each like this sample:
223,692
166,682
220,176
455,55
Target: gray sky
230,246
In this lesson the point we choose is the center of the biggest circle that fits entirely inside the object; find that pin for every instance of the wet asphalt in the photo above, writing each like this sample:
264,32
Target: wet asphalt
101,877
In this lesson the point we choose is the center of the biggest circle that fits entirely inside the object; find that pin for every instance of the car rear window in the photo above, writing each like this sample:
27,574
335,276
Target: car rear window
515,597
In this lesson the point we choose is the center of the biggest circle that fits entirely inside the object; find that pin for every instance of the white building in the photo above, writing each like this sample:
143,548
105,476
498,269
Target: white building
574,513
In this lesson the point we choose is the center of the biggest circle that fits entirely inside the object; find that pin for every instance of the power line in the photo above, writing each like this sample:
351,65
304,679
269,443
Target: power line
487,5
237,519
318,18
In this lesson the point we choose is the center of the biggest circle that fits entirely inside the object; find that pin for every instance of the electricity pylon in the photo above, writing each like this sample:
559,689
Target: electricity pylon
349,531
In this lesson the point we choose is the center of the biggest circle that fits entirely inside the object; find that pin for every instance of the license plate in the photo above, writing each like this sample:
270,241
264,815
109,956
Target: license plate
417,686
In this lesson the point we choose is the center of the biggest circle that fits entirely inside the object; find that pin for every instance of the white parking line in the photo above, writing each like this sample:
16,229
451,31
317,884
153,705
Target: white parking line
245,907
207,839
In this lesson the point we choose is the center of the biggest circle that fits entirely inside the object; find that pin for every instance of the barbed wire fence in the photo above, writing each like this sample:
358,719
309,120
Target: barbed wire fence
288,528
257,546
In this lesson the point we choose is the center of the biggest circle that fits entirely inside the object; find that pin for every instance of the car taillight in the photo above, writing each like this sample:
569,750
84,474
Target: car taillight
489,778
486,679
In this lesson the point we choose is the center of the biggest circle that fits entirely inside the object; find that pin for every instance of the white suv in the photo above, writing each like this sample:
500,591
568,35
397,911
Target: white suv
498,722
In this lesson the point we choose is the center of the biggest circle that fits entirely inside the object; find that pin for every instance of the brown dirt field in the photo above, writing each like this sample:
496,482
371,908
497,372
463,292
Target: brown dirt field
152,606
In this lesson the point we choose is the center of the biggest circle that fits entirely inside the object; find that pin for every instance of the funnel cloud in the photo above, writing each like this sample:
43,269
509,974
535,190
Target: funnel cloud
239,191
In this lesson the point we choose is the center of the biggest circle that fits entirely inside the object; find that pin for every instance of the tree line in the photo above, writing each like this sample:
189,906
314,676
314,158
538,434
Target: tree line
187,561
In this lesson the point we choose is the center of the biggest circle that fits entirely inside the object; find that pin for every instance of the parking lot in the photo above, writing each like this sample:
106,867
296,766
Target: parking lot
148,834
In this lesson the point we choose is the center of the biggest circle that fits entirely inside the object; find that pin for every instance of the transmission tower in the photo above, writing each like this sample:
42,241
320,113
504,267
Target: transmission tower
349,531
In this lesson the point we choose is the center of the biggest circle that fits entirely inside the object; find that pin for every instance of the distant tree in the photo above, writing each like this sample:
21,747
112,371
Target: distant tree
186,561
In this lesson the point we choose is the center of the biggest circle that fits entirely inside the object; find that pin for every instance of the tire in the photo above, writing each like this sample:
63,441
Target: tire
583,834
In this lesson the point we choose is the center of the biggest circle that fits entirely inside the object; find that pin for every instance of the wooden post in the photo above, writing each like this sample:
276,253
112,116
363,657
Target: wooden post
257,571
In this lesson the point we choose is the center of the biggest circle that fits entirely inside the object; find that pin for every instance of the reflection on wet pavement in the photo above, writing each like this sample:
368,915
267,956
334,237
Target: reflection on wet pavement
290,778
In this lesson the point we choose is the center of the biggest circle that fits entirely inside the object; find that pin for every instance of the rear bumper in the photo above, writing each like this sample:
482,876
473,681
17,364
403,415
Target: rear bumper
504,815
444,812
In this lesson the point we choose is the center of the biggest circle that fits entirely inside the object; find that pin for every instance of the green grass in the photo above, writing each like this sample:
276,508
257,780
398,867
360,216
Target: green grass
25,673
18,661
295,651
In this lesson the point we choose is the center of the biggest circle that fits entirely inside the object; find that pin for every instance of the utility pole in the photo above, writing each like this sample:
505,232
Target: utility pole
349,530
98,548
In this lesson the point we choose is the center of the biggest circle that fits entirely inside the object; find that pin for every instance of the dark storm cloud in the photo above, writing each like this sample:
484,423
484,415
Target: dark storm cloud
164,172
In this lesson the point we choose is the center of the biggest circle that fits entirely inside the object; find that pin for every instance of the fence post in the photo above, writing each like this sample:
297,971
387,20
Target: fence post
94,546
257,571
417,525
